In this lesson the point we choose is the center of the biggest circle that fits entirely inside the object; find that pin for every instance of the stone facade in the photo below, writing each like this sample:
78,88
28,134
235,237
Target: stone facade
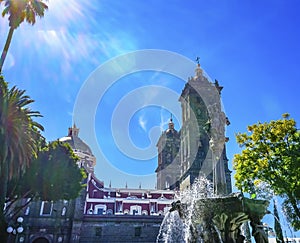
198,149
72,225
119,228
46,222
168,159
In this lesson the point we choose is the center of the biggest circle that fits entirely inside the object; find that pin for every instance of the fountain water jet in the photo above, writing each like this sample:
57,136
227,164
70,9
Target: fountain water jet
200,216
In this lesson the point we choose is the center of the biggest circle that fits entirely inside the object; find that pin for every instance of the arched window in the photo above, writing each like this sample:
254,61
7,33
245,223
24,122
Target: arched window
41,240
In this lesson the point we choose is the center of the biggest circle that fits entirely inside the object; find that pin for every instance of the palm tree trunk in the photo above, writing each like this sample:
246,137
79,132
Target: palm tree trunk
277,225
6,46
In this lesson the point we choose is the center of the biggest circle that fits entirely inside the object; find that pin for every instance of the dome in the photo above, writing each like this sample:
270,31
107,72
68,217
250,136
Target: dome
75,142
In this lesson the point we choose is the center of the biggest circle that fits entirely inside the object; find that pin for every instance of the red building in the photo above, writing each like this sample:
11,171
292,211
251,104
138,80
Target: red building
101,200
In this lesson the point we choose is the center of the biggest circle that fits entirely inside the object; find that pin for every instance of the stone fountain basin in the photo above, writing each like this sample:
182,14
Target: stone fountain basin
222,217
231,204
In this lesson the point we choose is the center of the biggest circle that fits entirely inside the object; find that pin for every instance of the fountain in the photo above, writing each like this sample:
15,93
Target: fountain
200,216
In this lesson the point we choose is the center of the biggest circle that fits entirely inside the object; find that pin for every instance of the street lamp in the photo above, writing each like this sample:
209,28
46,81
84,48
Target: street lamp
17,228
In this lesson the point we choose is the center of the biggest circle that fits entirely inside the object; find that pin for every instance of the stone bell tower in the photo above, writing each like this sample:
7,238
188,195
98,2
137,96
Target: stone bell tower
201,139
168,158
202,150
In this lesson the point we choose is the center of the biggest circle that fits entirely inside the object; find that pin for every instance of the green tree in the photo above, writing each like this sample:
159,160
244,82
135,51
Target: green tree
271,155
52,176
18,11
19,137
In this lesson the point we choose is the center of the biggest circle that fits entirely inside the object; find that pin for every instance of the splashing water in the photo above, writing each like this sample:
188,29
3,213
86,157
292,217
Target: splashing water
177,229
200,216
172,229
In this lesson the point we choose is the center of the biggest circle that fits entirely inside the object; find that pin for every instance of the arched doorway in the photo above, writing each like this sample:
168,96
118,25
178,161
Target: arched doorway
41,240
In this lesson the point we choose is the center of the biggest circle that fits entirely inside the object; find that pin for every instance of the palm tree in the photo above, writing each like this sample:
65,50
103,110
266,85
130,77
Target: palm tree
18,11
19,138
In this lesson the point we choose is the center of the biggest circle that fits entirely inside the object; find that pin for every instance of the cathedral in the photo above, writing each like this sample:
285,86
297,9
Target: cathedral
105,214
188,154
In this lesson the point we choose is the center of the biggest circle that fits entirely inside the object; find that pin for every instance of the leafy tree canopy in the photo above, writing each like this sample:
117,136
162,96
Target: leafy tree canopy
271,155
19,133
19,139
28,167
19,11
52,176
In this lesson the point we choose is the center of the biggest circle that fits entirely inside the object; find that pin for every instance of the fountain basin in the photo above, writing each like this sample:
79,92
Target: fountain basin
219,219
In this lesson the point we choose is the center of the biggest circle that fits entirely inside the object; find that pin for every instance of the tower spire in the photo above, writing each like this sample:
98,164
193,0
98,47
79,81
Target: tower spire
73,131
171,124
198,69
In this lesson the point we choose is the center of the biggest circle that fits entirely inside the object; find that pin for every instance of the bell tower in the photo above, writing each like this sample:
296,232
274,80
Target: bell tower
194,130
168,158
200,144
203,151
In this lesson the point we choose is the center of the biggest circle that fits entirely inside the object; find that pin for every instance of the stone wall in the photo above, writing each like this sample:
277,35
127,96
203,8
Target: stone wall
120,228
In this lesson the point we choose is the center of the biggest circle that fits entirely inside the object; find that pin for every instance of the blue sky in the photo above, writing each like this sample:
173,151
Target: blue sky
251,47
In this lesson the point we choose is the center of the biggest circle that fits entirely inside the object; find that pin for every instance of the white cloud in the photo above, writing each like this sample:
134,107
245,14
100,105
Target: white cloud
142,122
